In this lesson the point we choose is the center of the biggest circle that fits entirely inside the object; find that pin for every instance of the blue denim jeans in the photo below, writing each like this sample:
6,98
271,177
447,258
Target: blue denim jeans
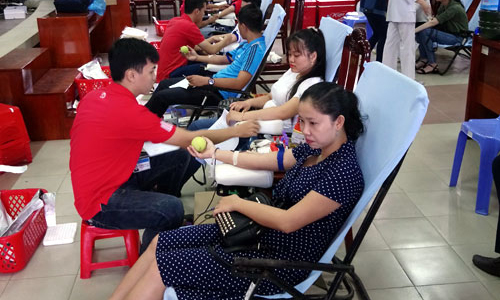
427,37
149,199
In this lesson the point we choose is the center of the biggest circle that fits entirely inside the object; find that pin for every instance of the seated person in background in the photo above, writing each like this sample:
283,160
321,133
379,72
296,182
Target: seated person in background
491,265
445,28
307,58
322,185
209,8
183,31
235,8
112,189
244,62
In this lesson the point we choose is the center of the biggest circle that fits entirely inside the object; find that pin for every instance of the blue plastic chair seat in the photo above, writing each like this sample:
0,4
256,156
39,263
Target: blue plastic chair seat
486,132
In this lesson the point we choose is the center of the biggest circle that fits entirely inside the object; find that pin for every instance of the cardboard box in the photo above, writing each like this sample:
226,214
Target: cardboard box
15,12
202,204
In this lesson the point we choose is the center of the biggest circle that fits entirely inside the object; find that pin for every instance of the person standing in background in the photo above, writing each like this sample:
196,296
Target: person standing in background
375,11
401,36
491,265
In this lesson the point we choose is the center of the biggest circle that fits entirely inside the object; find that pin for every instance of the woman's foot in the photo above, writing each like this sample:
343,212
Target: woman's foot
430,68
420,64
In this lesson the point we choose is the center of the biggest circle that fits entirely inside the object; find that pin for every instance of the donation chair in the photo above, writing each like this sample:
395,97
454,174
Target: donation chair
270,35
391,124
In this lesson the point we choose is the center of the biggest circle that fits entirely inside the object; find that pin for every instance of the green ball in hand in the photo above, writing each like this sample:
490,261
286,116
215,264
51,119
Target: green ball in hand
199,144
184,49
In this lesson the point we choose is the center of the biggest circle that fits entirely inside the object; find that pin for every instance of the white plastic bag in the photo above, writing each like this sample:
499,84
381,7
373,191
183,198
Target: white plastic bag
35,204
5,219
92,70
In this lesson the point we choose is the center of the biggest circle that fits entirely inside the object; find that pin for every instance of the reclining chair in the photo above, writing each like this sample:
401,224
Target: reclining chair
391,125
270,35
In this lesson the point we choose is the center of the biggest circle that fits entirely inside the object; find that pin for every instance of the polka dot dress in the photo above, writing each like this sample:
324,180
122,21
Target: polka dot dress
183,256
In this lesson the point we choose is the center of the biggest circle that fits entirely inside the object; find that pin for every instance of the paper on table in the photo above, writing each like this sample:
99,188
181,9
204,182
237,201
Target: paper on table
13,169
156,149
227,144
184,83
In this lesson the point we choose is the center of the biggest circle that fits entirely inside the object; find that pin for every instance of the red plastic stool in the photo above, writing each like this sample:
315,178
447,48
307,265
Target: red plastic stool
90,233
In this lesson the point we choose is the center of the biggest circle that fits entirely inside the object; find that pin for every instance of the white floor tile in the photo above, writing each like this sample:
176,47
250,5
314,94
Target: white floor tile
408,293
409,233
464,228
53,288
462,291
380,269
434,265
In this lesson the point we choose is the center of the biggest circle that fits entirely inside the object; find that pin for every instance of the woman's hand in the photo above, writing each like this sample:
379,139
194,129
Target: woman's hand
197,80
191,55
207,153
227,204
247,129
233,116
240,105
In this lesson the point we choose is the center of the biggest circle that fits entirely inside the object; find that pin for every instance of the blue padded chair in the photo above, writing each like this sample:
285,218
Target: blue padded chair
392,122
486,132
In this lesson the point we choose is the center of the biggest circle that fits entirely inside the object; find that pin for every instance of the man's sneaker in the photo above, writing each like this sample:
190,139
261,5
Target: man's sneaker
487,264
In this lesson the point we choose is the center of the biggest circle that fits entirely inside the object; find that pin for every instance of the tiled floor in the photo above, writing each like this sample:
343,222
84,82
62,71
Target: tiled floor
419,246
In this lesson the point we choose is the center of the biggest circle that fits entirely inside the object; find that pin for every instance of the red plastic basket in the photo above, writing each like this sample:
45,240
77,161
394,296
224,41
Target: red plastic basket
85,86
160,27
156,44
17,249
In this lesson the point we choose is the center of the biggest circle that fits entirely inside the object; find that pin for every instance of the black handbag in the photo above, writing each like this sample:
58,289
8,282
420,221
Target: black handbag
72,6
239,232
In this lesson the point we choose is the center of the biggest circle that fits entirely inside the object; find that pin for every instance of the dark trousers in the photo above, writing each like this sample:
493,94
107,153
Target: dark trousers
379,27
192,68
496,178
134,205
164,96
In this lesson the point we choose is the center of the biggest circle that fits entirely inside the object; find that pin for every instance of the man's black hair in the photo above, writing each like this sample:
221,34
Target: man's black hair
130,53
191,5
251,16
256,2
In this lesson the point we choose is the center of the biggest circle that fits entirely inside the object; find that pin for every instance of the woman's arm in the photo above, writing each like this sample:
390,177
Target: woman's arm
312,207
433,22
246,160
257,102
282,112
183,137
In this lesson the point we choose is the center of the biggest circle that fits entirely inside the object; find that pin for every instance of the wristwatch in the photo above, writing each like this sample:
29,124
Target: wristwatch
211,81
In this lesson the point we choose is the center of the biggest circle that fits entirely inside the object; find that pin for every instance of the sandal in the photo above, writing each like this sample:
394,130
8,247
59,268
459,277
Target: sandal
428,70
420,64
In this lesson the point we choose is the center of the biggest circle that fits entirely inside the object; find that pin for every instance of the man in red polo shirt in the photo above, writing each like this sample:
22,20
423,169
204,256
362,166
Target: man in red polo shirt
184,31
114,185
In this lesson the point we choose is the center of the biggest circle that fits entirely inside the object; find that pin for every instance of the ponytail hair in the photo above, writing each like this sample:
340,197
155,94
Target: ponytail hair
310,40
331,99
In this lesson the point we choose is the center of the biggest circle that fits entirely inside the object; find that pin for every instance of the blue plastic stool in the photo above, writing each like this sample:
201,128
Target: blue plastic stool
486,132
353,18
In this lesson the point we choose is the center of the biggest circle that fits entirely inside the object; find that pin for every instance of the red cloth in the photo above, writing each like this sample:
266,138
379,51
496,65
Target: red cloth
107,136
180,31
237,6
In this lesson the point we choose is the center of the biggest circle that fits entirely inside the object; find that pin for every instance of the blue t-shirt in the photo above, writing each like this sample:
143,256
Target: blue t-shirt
247,57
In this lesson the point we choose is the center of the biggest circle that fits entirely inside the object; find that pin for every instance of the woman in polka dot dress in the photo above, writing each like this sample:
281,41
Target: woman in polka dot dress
322,185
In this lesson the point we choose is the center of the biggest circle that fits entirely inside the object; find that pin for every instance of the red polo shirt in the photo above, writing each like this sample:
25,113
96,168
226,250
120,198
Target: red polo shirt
107,136
180,31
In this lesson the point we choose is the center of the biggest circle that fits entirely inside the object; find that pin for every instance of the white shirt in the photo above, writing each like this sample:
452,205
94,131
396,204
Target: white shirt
402,11
280,90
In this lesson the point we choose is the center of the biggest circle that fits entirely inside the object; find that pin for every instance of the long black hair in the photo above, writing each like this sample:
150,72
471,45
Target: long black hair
310,40
331,99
